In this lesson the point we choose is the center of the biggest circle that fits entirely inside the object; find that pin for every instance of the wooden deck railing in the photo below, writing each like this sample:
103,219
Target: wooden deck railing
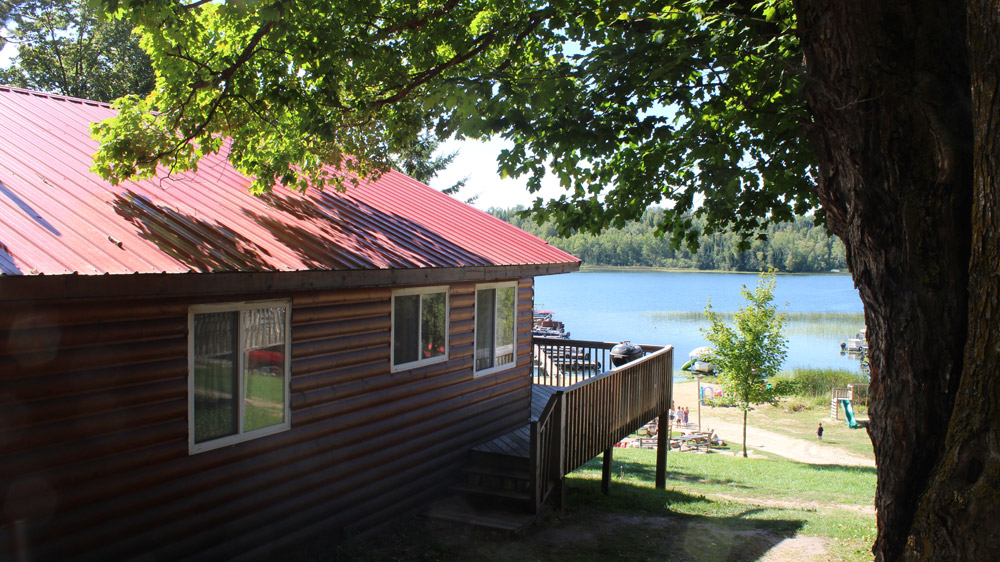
598,412
548,446
560,362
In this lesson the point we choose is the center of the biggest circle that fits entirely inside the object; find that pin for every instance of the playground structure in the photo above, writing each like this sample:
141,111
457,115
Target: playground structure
844,398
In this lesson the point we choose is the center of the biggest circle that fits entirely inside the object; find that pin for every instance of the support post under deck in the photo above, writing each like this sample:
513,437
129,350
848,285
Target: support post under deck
606,472
662,445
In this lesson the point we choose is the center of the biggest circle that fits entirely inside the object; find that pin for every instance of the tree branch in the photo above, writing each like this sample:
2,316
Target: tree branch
248,51
415,23
194,4
482,42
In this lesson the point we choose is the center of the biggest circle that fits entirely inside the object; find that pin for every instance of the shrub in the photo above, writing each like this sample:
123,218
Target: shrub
795,404
784,385
721,400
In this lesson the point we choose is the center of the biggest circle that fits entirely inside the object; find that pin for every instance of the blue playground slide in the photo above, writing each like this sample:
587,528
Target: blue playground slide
849,412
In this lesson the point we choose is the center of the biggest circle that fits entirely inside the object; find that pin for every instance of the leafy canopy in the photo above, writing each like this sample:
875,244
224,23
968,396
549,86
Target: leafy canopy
64,47
693,104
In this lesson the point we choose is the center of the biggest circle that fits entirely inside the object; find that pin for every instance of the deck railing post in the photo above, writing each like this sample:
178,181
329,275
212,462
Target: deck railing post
533,463
559,454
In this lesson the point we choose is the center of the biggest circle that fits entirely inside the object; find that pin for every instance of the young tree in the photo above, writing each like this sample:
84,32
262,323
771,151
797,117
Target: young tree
751,351
883,112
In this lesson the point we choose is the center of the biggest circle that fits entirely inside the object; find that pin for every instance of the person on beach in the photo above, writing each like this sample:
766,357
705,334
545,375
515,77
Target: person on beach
819,432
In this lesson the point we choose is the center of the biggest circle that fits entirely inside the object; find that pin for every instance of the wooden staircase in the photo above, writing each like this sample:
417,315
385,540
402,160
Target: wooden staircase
494,489
497,479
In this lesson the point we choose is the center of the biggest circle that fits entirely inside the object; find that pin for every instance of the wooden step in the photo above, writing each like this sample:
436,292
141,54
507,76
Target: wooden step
457,509
487,484
515,494
519,473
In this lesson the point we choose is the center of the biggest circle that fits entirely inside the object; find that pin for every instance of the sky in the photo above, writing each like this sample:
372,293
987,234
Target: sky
476,160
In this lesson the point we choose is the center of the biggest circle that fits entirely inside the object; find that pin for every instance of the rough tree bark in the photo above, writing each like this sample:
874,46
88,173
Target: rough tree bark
888,88
959,517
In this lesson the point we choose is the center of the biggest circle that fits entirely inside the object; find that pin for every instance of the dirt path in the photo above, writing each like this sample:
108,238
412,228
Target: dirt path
801,450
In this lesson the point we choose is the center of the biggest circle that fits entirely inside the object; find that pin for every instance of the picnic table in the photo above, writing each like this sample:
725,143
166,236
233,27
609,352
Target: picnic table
689,441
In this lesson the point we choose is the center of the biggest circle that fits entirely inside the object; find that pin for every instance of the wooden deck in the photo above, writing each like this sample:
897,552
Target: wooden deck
569,424
517,443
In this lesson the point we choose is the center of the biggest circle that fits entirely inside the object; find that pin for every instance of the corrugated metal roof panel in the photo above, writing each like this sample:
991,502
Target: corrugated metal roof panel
57,217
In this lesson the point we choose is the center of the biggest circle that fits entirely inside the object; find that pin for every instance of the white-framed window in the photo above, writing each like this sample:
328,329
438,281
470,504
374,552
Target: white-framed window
496,327
238,372
419,327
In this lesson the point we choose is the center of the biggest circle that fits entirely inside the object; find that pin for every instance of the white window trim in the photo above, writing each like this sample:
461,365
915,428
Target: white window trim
505,366
240,436
420,362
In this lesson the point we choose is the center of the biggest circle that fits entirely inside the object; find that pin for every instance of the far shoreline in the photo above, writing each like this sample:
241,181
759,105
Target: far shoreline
642,269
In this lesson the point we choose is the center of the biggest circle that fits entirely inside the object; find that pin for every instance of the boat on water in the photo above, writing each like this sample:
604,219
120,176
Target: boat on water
544,325
696,361
857,344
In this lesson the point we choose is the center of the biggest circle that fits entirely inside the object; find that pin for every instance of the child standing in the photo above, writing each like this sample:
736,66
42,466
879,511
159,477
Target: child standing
819,432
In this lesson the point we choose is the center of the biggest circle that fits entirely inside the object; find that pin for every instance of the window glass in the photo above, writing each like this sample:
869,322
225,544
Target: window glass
405,343
239,385
433,325
264,361
419,326
215,364
485,318
506,324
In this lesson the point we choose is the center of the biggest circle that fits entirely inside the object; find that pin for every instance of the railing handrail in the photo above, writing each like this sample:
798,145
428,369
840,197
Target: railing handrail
589,343
564,362
547,463
661,350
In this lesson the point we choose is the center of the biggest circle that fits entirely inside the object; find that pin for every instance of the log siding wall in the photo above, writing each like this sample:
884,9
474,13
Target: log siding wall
94,461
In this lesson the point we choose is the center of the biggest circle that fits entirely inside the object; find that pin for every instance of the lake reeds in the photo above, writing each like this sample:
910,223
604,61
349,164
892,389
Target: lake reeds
837,325
812,382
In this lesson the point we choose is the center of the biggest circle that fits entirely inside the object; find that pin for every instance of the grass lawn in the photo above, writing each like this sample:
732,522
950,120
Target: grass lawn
716,507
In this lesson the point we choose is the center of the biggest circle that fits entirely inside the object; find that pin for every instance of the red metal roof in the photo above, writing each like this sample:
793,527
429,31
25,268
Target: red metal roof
57,217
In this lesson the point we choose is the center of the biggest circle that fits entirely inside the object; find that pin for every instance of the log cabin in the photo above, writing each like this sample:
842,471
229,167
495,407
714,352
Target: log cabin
188,369
192,372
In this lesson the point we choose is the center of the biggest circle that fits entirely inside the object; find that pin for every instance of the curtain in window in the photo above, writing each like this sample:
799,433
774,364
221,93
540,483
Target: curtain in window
216,338
406,334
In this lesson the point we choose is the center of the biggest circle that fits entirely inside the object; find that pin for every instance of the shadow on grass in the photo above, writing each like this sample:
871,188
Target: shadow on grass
645,471
838,470
633,523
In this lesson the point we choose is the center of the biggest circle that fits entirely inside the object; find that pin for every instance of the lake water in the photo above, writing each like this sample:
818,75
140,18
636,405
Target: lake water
664,308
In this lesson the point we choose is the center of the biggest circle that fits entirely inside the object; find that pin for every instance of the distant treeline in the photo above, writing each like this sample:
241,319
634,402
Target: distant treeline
794,247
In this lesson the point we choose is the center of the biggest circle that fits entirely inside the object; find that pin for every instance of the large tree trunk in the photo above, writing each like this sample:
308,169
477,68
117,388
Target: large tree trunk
959,518
888,90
